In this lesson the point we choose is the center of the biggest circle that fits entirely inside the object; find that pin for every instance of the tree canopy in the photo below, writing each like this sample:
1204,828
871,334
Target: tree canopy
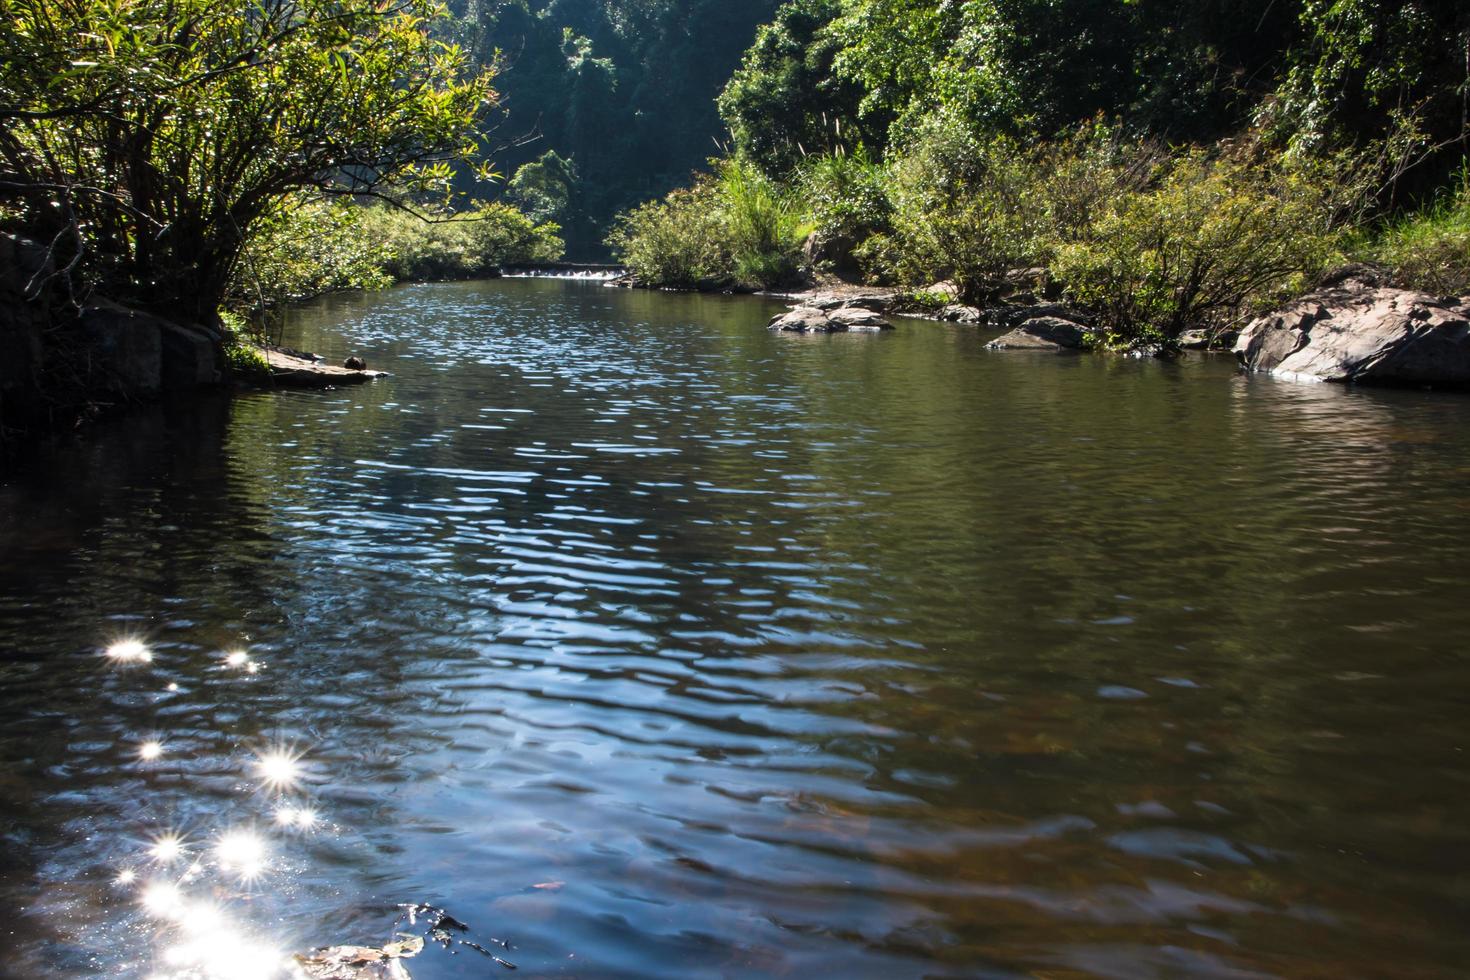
622,90
143,139
1322,71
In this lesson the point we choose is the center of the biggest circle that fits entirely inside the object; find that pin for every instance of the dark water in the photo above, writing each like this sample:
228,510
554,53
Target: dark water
660,646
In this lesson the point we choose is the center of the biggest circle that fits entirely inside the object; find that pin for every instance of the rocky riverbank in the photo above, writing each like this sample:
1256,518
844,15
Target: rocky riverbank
68,360
1356,326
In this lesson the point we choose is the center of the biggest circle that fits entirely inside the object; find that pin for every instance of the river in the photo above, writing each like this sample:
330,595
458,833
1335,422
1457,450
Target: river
655,645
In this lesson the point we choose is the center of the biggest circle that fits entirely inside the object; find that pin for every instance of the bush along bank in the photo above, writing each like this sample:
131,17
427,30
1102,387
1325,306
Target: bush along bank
1092,240
1149,242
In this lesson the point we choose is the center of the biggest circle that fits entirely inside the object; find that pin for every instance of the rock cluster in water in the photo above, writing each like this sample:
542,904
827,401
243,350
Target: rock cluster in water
832,313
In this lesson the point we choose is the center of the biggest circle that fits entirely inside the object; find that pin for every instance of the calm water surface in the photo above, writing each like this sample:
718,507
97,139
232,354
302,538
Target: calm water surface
659,646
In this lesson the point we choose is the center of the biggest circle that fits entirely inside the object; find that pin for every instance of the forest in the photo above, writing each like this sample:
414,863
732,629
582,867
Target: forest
1162,164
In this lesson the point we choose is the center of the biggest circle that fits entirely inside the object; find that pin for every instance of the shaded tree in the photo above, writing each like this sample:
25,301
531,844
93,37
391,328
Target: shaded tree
144,140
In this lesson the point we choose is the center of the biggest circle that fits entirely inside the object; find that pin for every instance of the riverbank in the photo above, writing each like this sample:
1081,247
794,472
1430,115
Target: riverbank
1354,325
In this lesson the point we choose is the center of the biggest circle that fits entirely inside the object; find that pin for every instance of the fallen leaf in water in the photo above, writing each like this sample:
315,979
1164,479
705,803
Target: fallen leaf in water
352,963
405,947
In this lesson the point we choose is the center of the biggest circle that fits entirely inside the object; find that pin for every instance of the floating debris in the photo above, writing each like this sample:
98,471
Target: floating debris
440,922
354,963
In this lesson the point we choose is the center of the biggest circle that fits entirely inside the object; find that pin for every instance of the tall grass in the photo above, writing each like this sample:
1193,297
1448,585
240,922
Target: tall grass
763,224
736,227
1431,250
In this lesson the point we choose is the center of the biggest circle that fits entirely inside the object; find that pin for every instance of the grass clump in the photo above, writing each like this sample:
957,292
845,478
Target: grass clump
1431,250
245,360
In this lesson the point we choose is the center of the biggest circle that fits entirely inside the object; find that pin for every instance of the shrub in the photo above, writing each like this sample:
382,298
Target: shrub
460,247
846,196
1212,240
965,208
306,248
310,247
678,242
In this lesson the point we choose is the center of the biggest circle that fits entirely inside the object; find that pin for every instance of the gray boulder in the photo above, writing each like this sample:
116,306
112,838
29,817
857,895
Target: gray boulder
137,355
805,319
857,318
1357,329
190,357
956,313
124,349
1043,333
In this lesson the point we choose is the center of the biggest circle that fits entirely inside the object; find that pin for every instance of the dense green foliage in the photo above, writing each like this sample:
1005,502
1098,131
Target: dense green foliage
620,91
321,246
1164,165
147,139
1211,241
786,103
870,70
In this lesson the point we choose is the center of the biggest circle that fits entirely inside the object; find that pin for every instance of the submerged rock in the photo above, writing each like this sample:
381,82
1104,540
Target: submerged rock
1043,333
1355,328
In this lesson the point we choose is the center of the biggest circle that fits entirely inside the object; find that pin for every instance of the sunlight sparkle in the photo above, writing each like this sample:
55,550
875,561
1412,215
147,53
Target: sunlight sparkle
279,769
300,817
130,651
243,852
167,849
